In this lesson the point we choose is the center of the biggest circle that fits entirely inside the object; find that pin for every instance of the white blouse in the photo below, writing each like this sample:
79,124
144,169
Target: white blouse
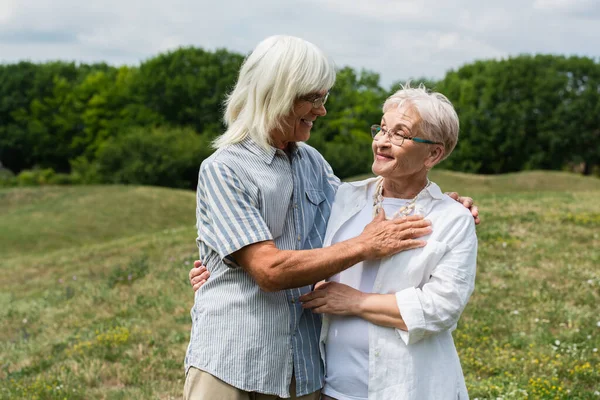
432,286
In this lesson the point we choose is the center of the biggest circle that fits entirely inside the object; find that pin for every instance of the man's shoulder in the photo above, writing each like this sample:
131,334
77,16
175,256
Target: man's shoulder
229,156
310,152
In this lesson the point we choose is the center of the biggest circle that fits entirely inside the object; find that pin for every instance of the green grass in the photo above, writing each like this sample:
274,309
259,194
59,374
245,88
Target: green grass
42,219
104,313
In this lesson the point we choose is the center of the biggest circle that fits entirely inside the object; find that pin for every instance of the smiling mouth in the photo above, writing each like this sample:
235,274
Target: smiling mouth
379,155
307,123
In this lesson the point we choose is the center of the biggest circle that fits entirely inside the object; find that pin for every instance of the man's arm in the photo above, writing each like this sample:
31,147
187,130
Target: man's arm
467,202
275,269
198,275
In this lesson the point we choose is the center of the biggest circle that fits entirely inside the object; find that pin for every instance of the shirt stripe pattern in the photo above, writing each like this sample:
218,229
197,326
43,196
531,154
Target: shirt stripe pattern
251,339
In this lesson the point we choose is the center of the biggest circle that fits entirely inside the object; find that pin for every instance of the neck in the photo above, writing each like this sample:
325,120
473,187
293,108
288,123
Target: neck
405,187
284,145
281,144
280,136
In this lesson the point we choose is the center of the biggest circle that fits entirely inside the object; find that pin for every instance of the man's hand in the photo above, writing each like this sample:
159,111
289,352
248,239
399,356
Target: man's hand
333,298
382,238
468,203
198,275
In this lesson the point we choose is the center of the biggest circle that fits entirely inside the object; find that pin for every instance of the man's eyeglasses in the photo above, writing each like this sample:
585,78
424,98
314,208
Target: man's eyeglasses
396,138
316,101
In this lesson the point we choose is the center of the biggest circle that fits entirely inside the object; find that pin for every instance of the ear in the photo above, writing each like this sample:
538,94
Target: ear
436,154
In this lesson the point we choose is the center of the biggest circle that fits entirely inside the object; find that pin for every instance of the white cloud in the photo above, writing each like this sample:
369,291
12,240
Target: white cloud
568,6
7,8
388,10
398,39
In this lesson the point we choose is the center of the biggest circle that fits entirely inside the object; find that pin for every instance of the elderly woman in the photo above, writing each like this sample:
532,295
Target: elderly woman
387,327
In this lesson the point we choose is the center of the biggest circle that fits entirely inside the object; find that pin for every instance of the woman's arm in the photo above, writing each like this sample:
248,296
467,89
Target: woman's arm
337,298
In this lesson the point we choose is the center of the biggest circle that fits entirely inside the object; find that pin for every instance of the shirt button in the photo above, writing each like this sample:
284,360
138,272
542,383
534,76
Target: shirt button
298,237
293,301
376,354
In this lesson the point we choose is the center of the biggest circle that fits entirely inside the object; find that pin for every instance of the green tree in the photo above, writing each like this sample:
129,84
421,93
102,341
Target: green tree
187,87
158,156
525,112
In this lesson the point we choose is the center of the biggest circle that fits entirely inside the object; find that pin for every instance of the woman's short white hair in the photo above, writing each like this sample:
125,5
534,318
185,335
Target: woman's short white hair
275,74
438,119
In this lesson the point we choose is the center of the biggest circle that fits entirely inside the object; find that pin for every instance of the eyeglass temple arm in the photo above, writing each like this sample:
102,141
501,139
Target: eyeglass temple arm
418,140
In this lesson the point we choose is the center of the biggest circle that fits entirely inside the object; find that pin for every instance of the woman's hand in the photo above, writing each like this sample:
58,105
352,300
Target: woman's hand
468,203
198,275
333,298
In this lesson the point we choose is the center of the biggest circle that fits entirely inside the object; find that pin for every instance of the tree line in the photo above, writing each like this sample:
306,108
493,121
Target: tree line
153,124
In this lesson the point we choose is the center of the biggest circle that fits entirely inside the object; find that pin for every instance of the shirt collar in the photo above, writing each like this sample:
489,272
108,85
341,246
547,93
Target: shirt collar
267,155
435,191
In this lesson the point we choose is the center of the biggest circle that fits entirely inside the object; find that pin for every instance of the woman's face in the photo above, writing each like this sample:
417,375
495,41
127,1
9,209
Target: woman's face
298,124
410,159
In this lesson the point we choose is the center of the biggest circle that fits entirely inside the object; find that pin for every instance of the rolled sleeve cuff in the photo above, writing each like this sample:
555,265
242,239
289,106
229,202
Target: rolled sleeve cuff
412,314
227,248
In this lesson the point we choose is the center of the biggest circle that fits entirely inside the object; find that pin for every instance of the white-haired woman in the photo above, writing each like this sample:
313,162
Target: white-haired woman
387,326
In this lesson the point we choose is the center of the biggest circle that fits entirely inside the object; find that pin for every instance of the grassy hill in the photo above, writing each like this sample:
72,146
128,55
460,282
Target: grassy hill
95,305
530,181
42,219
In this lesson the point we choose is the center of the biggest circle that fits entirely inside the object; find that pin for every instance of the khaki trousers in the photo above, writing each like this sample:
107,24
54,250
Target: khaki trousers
200,385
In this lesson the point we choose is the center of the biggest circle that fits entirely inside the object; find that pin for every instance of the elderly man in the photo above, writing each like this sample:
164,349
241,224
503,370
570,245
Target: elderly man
263,201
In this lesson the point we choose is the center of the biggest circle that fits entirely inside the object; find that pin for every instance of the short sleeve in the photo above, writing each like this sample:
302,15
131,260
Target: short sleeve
227,211
332,179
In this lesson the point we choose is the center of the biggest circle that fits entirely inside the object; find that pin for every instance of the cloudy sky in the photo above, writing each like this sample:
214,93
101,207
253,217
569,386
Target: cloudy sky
397,38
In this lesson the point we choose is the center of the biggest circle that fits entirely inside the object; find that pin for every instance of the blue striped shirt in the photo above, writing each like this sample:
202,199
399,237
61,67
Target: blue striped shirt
251,339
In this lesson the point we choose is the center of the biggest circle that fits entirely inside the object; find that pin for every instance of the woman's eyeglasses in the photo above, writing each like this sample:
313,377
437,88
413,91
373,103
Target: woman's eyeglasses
396,138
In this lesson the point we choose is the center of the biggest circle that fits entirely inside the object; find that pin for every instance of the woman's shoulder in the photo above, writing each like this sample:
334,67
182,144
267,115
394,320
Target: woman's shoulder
451,219
361,186
442,203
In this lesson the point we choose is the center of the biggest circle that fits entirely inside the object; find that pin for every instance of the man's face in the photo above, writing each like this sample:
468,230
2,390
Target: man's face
298,124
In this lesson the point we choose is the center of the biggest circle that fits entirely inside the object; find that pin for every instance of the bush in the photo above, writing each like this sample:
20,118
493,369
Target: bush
7,178
85,171
151,156
63,179
34,177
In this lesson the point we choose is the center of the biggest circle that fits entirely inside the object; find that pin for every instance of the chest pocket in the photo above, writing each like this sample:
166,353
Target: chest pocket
314,219
315,197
